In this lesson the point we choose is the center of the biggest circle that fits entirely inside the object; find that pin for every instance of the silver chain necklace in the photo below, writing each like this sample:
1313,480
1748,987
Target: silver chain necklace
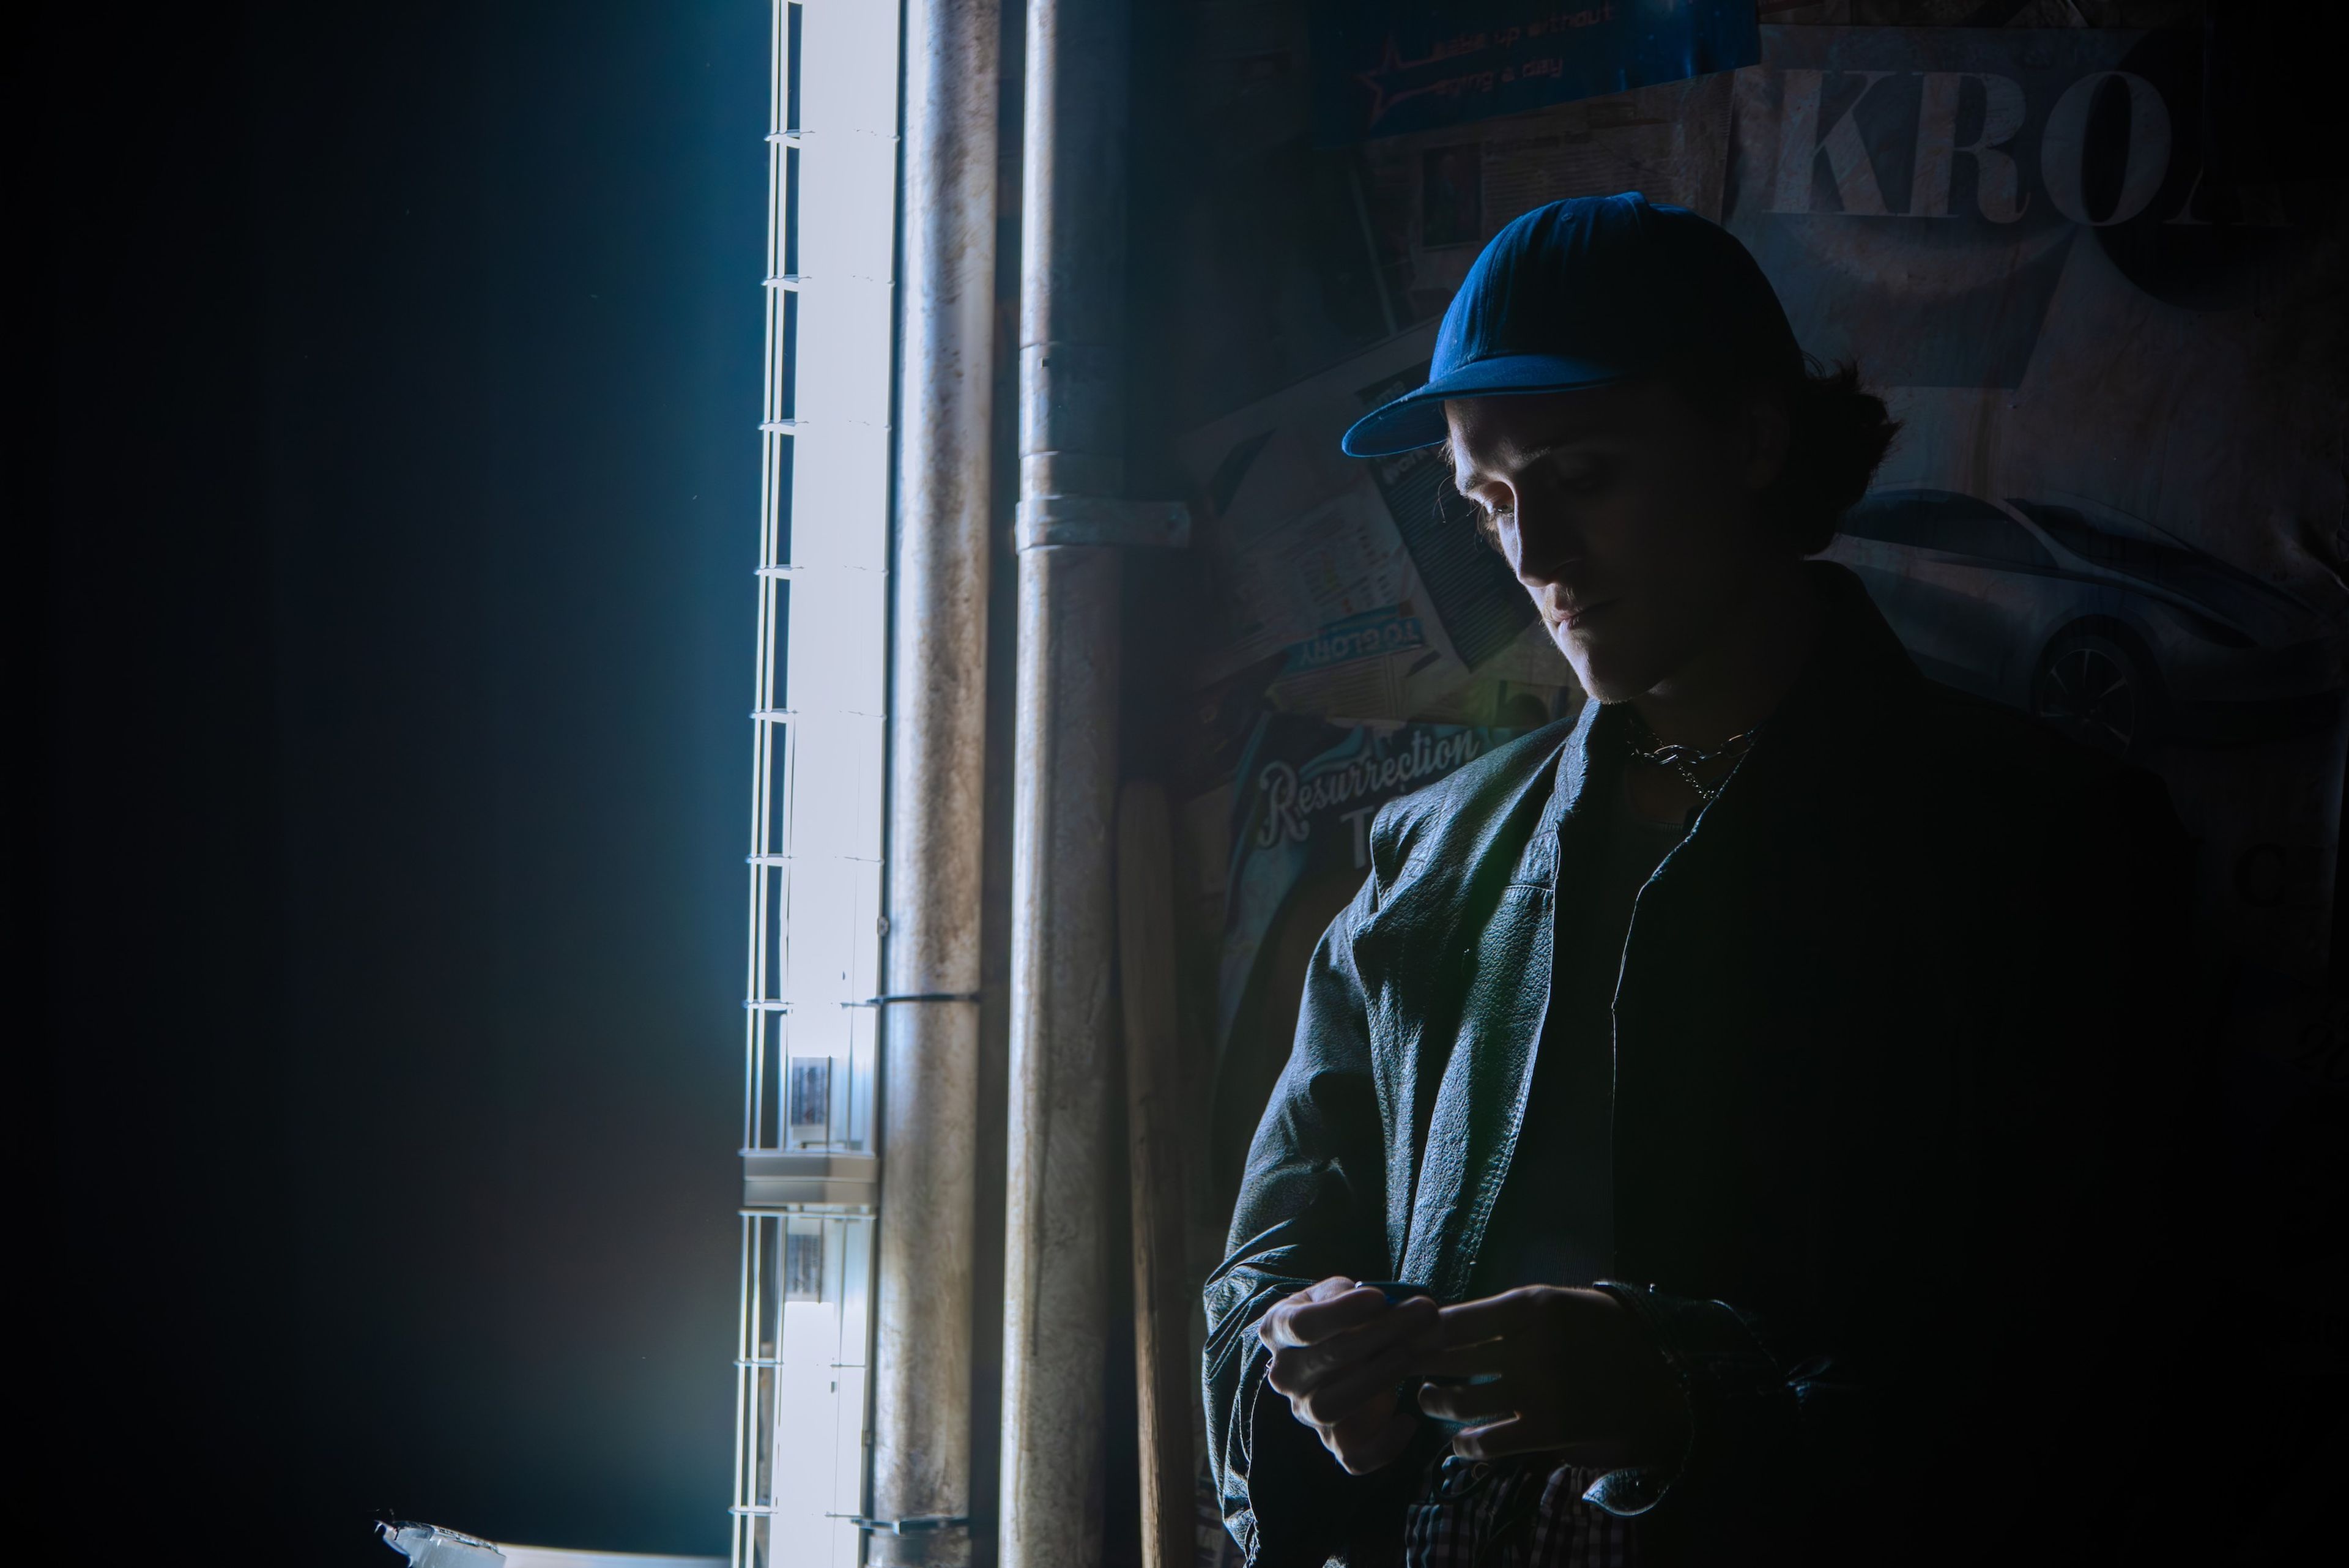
1685,760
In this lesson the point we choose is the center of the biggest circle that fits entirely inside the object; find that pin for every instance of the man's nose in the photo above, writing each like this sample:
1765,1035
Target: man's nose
1546,545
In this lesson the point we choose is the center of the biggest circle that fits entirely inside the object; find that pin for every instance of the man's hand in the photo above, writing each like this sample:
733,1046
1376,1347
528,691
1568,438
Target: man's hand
1554,1369
1339,1353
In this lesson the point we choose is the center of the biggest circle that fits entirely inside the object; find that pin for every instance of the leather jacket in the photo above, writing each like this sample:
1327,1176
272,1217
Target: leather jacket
1895,1060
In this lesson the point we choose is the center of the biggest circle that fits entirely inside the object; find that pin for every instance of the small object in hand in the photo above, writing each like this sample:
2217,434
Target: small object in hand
1395,1289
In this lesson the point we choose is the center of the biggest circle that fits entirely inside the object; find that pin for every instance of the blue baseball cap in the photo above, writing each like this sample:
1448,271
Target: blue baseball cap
1583,293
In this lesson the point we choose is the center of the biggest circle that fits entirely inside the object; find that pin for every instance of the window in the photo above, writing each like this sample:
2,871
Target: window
816,793
1946,522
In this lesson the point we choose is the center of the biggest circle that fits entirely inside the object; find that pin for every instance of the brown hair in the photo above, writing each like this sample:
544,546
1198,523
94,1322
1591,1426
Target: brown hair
1838,434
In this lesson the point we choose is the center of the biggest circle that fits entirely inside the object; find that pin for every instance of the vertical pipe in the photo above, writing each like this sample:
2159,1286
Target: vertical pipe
922,1370
1055,1312
1071,418
1163,1366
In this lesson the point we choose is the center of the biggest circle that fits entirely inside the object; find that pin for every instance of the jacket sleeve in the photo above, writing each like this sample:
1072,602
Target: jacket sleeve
1937,1425
1310,1206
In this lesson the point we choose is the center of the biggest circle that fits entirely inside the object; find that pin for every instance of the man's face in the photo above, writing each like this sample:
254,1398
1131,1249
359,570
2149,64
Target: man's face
1627,513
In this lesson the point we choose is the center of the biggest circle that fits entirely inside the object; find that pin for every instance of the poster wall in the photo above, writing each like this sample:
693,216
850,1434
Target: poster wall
2090,264
2096,293
1388,68
2114,504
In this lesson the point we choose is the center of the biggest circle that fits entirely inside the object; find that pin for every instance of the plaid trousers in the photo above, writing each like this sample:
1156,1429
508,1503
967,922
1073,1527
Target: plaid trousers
1513,1514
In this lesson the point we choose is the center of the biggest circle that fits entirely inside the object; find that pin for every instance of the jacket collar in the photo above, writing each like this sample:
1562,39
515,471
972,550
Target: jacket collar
1856,675
1858,679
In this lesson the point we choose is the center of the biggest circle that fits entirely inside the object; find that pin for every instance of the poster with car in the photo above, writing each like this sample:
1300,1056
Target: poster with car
2111,504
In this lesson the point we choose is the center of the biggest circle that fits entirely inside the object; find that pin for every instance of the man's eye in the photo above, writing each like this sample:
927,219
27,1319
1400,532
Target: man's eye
1487,512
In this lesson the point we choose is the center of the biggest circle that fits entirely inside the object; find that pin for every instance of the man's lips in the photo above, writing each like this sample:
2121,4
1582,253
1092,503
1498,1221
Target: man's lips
1577,616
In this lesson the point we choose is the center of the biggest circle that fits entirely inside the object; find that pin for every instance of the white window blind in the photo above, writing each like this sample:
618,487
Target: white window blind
810,1172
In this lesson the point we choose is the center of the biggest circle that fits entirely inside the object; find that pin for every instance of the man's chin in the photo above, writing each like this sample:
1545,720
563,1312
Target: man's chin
1607,680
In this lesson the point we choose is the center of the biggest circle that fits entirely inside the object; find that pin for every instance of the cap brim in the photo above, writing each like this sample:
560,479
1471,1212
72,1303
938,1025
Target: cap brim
1416,419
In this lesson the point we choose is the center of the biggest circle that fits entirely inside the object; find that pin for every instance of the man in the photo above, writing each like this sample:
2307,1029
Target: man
1754,1082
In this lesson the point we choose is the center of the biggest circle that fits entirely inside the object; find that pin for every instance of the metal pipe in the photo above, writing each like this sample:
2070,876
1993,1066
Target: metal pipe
1055,1309
1063,1034
1165,1374
929,1107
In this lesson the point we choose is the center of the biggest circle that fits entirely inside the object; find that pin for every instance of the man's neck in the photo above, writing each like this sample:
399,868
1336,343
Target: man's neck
1741,675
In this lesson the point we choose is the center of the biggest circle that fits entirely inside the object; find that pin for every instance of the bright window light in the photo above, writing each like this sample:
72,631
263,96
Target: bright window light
816,827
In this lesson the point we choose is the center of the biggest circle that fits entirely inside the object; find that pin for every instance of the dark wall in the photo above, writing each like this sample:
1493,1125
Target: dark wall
386,499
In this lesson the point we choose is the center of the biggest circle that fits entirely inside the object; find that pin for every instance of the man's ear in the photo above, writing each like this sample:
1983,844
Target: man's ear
1768,428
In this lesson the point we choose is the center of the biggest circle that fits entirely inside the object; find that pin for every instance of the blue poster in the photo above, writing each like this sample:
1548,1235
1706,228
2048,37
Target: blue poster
1303,800
1386,70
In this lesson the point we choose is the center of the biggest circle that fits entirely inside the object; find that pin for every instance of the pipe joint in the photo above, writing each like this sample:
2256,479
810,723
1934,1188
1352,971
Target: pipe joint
1046,520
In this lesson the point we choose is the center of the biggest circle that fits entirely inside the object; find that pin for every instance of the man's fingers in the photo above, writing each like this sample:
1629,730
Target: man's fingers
1300,1368
1314,1322
1467,1401
1330,1289
1350,1388
1499,1440
1314,1313
1372,1443
1511,1311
